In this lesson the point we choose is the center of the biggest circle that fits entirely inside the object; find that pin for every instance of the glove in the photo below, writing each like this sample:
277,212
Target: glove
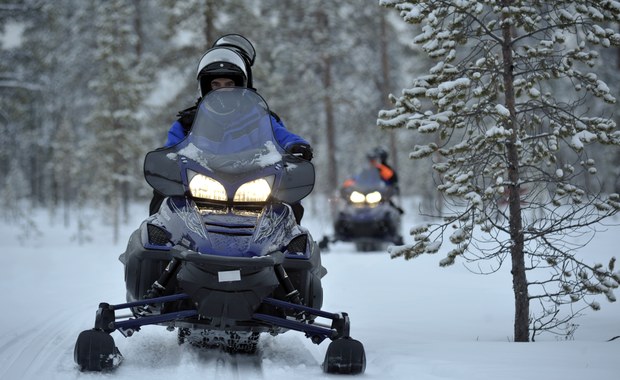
301,150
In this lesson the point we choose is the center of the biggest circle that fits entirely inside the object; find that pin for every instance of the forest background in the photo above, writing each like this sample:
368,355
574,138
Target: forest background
88,87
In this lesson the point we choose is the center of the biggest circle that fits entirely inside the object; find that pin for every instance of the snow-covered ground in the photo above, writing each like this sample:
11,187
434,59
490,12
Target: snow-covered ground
416,320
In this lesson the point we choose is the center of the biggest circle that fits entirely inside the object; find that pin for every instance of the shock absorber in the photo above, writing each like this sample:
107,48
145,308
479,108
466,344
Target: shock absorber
292,294
159,286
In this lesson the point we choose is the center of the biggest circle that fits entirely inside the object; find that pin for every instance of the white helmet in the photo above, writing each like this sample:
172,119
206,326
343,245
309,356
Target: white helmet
241,45
220,62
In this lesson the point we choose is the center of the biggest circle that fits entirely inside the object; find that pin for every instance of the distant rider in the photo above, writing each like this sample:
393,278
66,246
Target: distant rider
377,158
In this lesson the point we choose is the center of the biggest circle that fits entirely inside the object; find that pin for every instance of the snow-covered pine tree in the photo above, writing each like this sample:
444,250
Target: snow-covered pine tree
510,102
114,151
319,65
46,90
298,62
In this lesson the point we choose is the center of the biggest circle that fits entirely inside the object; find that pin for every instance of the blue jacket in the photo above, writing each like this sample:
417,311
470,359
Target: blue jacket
284,137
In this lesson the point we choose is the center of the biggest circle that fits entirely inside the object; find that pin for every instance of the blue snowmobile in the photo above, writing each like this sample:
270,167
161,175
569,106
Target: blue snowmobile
223,260
367,214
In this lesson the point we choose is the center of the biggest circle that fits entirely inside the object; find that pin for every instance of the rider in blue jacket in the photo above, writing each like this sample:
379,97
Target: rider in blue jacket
228,64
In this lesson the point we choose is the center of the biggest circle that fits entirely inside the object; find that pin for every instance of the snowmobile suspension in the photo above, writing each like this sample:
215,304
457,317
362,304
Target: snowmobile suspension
292,294
340,327
159,286
106,320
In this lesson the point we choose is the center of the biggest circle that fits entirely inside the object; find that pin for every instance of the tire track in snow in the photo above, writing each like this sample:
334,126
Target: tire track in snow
237,366
33,351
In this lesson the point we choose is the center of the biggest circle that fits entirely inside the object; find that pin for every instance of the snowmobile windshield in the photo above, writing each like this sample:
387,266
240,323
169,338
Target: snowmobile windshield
231,139
369,179
232,133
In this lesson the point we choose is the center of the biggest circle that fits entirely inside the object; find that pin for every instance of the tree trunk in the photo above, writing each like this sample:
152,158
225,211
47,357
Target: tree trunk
386,85
519,280
209,28
328,104
115,198
137,20
332,165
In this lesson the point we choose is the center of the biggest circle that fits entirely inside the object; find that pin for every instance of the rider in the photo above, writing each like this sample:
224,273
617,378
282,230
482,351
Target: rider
228,64
377,158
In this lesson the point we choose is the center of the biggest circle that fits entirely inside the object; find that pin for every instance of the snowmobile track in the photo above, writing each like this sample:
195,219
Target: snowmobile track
238,366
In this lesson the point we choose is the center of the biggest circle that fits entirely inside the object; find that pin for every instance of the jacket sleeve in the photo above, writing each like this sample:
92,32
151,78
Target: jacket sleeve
284,137
386,173
175,134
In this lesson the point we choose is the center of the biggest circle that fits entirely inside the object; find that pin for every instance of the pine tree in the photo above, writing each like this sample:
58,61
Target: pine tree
319,66
509,106
114,150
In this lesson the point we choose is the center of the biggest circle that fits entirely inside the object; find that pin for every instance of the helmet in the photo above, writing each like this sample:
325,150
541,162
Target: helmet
378,153
241,45
220,62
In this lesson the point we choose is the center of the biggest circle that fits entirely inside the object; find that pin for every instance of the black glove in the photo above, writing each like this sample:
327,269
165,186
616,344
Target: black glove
301,150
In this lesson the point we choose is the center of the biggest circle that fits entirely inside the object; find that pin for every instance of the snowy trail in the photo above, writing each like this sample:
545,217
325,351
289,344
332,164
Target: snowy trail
158,351
32,351
412,317
155,350
58,286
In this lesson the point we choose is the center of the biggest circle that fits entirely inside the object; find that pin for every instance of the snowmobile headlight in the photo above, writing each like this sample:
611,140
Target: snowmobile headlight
254,191
374,197
357,197
201,186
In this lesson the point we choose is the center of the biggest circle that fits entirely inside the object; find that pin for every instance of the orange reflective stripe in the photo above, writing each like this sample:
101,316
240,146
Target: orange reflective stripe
385,172
348,182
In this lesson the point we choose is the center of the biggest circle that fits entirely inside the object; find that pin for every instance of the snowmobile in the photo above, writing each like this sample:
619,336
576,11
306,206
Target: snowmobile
224,261
366,214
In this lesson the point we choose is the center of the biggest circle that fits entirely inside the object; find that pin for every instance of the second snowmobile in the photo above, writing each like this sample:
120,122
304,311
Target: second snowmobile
366,214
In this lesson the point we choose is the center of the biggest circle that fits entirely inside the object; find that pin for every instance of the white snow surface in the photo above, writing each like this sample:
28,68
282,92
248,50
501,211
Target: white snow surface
415,319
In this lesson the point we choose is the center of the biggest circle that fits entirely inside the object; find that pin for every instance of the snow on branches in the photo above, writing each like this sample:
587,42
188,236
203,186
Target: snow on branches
510,112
